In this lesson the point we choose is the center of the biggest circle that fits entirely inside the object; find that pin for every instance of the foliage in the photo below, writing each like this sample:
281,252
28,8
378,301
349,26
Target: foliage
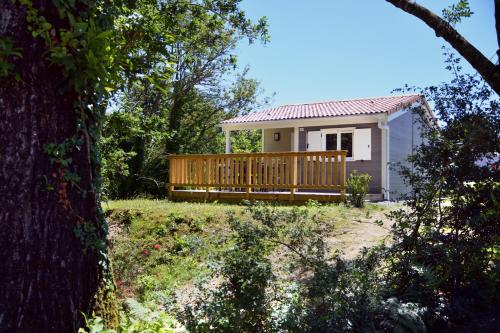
8,52
455,12
137,319
240,302
445,255
158,255
357,187
187,83
245,141
251,297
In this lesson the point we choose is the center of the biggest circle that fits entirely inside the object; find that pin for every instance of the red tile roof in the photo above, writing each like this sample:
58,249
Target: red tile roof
353,107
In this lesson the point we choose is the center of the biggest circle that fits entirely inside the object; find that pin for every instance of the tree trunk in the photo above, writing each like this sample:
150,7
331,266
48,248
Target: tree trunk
47,278
489,71
174,121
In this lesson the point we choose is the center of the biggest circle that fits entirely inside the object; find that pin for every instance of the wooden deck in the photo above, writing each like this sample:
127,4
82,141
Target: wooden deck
286,176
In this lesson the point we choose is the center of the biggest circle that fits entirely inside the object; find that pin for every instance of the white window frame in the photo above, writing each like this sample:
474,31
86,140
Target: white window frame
337,131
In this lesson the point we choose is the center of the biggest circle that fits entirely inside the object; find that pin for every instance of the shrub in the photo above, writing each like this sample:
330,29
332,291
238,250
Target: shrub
239,303
358,188
137,319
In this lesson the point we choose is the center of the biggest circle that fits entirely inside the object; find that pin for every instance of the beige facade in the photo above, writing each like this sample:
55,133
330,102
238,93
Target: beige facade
285,142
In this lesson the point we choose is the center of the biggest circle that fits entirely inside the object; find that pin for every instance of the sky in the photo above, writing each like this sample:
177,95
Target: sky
341,49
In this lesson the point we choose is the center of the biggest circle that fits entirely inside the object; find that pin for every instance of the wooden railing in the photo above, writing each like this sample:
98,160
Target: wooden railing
321,170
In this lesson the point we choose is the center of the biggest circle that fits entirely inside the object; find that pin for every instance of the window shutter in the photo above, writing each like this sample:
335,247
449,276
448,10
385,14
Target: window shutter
362,145
313,141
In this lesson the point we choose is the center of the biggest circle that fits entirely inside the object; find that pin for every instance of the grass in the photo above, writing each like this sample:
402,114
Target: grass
158,247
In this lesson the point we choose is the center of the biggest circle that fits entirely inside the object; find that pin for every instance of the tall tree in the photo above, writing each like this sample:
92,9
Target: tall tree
443,27
195,41
55,62
202,55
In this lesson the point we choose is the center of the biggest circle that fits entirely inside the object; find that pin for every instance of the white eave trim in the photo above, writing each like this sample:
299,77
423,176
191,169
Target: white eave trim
305,122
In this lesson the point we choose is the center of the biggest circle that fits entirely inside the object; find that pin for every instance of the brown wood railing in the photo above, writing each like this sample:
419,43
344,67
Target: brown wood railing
321,170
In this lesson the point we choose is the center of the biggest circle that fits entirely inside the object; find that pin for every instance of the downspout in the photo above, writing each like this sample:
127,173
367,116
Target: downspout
386,130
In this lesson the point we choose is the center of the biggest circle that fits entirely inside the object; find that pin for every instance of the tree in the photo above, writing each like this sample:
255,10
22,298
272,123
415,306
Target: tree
178,115
444,28
444,253
57,69
202,56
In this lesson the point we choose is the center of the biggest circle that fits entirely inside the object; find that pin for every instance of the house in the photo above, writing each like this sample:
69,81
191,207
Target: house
374,132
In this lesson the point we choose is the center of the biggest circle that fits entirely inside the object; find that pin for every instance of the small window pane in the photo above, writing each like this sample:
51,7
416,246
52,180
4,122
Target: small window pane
331,141
346,143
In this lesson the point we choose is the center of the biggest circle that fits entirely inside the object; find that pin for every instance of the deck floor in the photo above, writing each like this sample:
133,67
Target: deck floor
224,195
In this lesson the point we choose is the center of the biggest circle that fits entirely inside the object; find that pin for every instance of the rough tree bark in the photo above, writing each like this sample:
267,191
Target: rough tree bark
46,278
488,70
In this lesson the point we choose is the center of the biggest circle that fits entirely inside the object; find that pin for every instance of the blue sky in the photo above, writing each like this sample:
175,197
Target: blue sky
336,49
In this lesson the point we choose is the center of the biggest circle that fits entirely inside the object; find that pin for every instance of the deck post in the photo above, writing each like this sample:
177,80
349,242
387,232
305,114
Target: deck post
294,178
208,177
249,177
170,187
342,174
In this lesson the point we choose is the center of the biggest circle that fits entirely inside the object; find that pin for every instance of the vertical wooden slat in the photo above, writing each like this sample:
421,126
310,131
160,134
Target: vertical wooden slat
329,170
256,170
249,177
282,170
265,164
288,165
242,171
318,170
275,171
216,171
191,171
294,174
226,171
305,170
208,163
184,171
199,171
234,171
170,179
260,170
209,170
335,170
310,170
172,170
342,173
324,180
178,170
230,172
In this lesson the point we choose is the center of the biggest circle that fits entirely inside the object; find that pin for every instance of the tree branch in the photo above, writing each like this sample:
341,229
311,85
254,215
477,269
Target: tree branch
497,25
489,71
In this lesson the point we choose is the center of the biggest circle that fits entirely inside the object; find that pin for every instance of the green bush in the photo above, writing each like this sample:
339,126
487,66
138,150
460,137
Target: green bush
137,319
240,302
357,187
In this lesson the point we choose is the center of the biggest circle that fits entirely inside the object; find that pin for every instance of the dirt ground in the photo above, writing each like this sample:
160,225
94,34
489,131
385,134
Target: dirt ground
361,232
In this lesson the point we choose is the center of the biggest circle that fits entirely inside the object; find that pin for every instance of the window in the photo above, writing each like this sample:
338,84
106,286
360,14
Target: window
338,139
331,141
356,141
346,143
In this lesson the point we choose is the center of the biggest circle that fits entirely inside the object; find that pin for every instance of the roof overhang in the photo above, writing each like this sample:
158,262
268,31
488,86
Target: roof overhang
304,122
